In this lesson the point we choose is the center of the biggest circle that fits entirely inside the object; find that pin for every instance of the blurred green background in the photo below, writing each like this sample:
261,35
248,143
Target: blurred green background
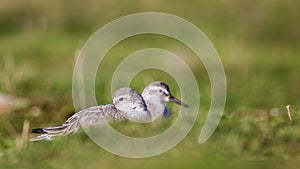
258,42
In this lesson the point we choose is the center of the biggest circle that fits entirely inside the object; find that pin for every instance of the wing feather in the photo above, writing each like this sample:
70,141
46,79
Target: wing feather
84,118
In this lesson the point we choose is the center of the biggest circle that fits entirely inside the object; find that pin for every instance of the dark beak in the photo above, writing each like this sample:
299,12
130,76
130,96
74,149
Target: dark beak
177,101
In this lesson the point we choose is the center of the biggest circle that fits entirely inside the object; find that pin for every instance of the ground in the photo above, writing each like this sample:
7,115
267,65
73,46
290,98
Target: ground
258,43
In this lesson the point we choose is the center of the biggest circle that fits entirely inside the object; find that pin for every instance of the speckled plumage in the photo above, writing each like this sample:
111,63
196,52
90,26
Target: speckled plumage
127,104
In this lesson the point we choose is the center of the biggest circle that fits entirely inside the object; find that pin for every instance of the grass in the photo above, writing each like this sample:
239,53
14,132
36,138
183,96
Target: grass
259,47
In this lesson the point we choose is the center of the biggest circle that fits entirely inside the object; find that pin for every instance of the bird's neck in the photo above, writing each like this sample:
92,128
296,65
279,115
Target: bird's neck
155,106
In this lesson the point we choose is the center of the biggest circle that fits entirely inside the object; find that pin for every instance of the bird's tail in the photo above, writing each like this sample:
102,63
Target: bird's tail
68,127
41,137
84,118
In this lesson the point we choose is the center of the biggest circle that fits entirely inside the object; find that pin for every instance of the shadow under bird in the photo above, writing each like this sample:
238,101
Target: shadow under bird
127,104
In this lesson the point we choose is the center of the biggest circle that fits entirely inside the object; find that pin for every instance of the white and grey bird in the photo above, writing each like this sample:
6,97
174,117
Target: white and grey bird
127,104
156,95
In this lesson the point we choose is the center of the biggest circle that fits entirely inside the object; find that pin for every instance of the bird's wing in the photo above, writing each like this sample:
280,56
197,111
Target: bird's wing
99,114
84,118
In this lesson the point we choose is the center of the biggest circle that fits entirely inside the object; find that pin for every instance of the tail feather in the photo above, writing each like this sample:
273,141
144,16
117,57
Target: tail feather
87,117
38,130
70,126
49,132
41,137
55,130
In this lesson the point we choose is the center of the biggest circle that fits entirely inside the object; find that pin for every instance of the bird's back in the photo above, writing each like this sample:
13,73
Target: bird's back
84,118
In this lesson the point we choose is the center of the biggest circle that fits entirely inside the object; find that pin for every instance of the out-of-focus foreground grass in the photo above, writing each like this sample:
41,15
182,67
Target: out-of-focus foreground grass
258,42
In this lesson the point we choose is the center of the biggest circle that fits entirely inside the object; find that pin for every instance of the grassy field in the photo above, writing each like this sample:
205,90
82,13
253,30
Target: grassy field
258,43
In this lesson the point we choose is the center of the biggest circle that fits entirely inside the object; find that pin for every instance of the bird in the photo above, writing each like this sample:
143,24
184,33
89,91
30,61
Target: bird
156,95
127,104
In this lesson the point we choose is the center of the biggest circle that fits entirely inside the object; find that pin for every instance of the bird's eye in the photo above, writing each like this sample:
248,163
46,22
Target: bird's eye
121,99
160,91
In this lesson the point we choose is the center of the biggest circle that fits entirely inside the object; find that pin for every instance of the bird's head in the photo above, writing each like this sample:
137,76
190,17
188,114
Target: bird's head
161,92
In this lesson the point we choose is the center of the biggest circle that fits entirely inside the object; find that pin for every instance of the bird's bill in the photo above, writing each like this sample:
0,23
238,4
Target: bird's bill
177,101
